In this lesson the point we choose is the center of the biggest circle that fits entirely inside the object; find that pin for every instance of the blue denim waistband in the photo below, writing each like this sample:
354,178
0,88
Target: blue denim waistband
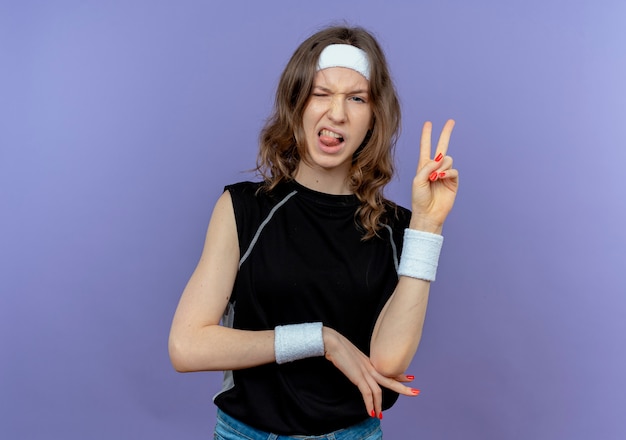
229,428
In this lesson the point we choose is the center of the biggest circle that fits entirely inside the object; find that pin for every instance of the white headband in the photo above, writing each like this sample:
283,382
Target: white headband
345,55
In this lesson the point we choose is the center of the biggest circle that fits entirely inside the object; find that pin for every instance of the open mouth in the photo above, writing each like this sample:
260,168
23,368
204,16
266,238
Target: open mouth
330,138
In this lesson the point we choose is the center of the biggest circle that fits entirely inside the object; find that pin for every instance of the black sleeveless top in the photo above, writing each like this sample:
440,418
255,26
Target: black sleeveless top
303,260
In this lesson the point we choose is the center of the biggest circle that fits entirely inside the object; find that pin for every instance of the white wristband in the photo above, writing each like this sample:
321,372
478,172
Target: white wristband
298,341
420,254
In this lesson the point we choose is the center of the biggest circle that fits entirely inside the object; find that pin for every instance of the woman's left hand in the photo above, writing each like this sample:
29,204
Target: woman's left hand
358,368
435,184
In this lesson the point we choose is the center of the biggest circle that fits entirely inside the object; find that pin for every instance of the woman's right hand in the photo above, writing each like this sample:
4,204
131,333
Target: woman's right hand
356,366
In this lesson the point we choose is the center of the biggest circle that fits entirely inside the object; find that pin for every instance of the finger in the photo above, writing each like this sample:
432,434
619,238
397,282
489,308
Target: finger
404,378
372,391
372,395
425,144
399,388
366,394
444,138
377,394
368,387
446,163
448,174
431,170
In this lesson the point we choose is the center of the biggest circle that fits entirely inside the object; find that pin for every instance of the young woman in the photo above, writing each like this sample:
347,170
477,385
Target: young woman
321,283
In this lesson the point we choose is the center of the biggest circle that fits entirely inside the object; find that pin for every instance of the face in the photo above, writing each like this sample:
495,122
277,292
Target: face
335,120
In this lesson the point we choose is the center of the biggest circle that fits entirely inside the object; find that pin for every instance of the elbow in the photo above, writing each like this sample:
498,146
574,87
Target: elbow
388,367
178,356
392,360
390,363
188,352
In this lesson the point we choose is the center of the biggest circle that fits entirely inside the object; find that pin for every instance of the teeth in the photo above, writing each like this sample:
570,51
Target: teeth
330,133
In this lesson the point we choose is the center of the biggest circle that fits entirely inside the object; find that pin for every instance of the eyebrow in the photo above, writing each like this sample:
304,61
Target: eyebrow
353,92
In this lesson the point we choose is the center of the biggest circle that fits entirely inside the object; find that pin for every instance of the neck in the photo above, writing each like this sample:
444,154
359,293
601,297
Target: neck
326,181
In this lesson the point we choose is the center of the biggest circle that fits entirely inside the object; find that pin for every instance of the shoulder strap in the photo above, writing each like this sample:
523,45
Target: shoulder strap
254,209
263,223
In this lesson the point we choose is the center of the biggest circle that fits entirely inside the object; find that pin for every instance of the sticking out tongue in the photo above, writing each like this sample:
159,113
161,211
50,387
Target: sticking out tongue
330,141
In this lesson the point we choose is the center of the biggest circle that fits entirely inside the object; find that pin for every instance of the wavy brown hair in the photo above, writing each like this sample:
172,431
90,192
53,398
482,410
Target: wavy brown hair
282,144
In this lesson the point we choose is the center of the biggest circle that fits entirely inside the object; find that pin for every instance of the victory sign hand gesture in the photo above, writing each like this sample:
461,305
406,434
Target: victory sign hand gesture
435,184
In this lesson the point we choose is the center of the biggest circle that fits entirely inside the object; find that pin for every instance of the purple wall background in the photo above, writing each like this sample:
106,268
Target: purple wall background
121,121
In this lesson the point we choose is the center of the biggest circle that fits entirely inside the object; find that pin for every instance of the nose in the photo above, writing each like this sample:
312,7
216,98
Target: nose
337,109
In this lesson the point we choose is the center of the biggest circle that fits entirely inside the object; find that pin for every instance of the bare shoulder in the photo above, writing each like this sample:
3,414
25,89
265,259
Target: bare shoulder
222,232
223,210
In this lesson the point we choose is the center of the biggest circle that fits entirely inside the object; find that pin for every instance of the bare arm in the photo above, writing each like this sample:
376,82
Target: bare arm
398,329
197,342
